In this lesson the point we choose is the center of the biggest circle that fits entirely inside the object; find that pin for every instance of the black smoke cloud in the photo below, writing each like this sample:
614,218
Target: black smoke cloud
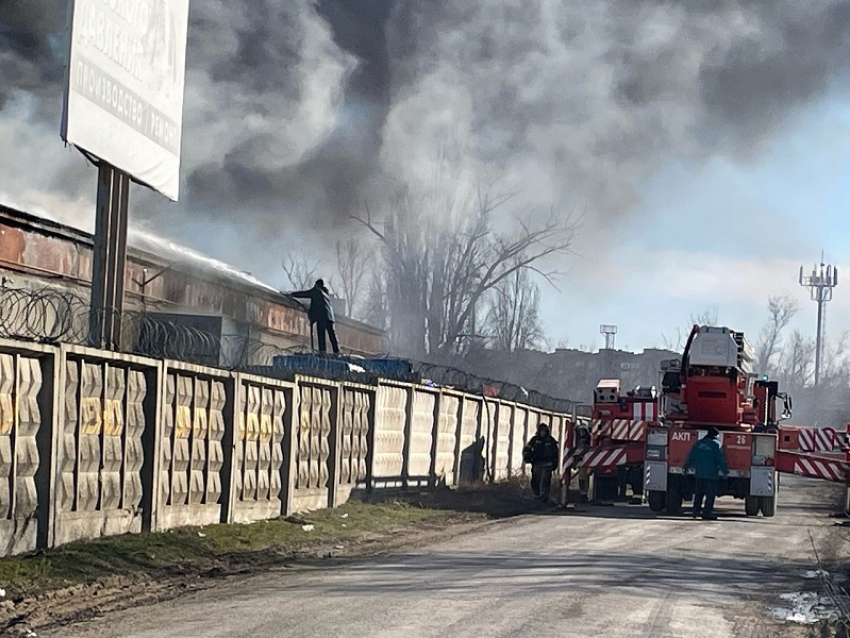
592,97
28,60
328,177
298,111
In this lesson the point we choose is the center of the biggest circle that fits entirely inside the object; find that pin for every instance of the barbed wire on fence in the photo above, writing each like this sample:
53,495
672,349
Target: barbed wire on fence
56,316
45,315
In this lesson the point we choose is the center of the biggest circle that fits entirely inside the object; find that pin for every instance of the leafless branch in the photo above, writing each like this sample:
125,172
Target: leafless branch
300,270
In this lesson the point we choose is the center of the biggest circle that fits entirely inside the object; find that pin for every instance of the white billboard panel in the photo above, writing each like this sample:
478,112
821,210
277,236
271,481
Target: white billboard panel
124,87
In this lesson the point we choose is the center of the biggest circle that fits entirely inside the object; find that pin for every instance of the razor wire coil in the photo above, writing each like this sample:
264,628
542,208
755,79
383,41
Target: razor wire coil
54,316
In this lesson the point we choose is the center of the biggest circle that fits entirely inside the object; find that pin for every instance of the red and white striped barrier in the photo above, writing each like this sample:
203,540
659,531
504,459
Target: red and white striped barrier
819,440
645,411
821,468
621,429
591,459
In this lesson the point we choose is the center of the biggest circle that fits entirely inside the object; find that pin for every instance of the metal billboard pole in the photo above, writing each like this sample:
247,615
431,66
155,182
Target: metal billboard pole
127,120
109,257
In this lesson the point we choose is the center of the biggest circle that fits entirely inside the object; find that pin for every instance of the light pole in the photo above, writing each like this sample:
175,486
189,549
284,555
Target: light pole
820,284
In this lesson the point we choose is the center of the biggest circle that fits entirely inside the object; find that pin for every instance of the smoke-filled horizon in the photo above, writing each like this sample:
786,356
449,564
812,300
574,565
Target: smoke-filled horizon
298,113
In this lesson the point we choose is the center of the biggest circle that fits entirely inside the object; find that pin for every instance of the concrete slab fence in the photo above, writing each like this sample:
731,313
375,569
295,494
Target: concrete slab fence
94,443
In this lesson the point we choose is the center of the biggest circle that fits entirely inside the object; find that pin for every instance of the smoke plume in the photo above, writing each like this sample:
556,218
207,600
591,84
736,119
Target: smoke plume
297,112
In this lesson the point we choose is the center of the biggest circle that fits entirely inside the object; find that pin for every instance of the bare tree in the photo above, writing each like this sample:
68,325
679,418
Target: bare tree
442,256
353,260
708,317
782,310
563,343
796,366
376,312
300,270
513,317
835,367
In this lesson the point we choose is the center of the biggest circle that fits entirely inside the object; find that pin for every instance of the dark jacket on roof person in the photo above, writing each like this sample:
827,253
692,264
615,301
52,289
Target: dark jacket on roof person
321,308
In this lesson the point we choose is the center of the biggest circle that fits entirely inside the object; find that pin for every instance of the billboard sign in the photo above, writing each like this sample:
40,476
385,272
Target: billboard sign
124,86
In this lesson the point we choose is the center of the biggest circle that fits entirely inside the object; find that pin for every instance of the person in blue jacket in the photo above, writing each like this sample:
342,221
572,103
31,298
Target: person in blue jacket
708,461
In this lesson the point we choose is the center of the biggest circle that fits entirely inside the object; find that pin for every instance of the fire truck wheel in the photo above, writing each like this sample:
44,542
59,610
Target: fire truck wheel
768,505
673,503
751,505
656,500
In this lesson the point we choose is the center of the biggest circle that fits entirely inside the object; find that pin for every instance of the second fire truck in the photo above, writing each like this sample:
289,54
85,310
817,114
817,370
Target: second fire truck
641,439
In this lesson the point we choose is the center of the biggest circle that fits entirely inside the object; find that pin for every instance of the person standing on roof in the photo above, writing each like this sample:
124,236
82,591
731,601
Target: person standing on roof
321,313
708,461
541,452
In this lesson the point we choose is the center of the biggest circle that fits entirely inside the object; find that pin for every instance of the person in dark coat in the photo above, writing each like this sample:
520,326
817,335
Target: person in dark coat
321,313
708,461
541,452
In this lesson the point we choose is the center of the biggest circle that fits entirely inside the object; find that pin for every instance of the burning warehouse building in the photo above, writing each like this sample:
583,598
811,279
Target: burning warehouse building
171,292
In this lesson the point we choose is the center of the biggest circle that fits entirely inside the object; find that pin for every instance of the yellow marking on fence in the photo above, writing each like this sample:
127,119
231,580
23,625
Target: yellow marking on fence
265,428
253,427
113,418
92,416
7,414
200,425
184,422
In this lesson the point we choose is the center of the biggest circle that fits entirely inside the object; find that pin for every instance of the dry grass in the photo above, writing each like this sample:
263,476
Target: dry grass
229,548
200,548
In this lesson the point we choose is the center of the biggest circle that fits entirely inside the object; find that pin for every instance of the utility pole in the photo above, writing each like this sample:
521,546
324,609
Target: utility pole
820,284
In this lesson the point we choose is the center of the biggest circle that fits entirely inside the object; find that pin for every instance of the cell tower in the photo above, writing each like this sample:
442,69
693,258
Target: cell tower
820,284
609,332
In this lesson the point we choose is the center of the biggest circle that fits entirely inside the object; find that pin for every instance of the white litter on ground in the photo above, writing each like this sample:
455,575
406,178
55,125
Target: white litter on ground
814,573
308,528
805,608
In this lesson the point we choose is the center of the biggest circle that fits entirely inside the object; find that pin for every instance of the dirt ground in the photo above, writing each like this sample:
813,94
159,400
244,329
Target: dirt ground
479,561
111,583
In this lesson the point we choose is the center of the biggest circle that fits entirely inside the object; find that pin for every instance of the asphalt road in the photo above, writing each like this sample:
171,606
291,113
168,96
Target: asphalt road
615,571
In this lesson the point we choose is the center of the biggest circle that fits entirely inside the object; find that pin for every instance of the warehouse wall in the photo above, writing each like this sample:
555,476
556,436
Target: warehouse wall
95,443
37,253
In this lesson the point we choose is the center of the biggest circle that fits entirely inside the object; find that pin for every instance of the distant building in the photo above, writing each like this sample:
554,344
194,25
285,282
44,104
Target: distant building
571,374
165,278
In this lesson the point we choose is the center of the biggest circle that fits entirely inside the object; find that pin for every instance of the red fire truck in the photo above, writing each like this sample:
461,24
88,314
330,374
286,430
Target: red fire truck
643,438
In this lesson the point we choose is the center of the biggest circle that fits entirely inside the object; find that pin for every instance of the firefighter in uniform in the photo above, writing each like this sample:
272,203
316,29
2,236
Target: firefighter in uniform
708,461
541,452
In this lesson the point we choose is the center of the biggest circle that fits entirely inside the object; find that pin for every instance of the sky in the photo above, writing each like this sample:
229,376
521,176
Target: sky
722,238
704,141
